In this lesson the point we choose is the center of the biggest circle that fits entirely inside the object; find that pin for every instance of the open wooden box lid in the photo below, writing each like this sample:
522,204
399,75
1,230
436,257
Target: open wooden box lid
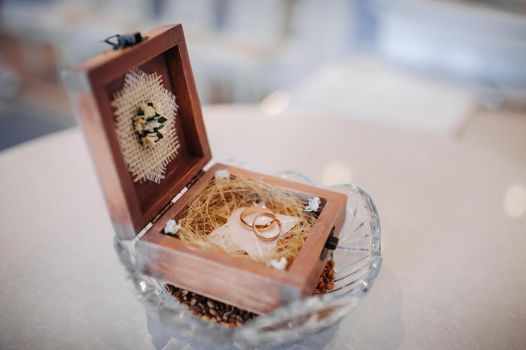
93,87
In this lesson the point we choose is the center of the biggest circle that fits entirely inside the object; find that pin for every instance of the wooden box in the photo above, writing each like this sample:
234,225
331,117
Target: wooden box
144,207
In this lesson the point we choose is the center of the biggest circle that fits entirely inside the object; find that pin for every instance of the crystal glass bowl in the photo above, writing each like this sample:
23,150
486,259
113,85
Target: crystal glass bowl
357,260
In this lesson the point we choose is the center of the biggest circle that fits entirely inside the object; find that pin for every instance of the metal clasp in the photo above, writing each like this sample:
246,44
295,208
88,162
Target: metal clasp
331,244
123,40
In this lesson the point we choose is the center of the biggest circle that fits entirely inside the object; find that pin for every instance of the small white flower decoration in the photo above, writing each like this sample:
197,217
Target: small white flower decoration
149,109
149,124
153,125
171,228
222,174
280,264
314,205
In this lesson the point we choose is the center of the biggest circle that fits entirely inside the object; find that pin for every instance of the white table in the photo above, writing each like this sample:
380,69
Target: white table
454,233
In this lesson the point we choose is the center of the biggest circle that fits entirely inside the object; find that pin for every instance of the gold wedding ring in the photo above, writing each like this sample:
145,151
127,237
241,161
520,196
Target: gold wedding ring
256,231
258,228
256,210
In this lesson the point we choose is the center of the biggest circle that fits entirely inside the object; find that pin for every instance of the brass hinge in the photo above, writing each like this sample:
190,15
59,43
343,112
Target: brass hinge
162,212
179,195
195,178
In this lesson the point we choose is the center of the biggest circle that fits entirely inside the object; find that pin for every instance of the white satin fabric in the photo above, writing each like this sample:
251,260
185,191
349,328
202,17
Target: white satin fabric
234,237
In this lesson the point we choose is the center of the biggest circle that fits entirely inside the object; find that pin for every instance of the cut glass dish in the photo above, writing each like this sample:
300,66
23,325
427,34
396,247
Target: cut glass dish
357,259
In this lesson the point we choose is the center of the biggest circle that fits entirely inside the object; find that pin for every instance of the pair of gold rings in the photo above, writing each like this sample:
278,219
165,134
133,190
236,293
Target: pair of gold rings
259,228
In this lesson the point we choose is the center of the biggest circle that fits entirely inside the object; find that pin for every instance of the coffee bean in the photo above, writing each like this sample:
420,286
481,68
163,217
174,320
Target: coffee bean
228,315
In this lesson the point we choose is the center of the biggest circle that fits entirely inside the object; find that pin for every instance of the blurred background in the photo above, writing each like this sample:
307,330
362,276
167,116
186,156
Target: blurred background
454,68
